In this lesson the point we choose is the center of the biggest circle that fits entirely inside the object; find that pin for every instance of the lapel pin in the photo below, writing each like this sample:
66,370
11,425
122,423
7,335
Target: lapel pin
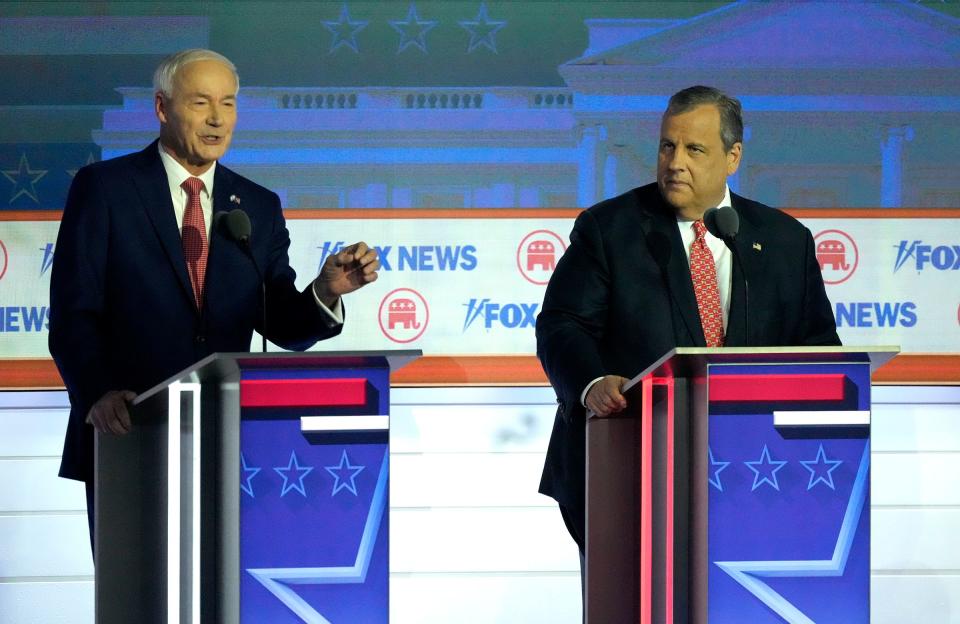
757,246
236,200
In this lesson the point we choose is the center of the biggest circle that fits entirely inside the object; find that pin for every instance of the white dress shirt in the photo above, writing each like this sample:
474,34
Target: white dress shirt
176,174
721,256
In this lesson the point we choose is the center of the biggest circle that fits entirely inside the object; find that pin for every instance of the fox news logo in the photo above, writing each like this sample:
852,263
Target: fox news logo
876,314
508,315
941,257
24,319
414,257
47,261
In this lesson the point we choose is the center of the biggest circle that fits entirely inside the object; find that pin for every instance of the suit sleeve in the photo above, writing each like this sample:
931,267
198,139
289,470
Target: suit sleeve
818,325
571,323
294,318
77,285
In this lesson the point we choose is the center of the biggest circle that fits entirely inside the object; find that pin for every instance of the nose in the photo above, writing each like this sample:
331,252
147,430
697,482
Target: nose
676,161
215,118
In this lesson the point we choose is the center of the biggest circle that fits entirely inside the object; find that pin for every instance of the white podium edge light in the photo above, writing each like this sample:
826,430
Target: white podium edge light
174,563
333,424
821,419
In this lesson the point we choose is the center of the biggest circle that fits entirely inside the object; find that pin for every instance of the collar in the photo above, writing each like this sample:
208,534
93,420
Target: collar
176,173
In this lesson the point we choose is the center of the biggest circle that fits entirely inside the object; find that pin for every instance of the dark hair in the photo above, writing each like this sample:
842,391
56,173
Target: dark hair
731,116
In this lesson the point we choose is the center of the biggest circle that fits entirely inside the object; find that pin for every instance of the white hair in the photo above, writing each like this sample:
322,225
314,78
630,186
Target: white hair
168,68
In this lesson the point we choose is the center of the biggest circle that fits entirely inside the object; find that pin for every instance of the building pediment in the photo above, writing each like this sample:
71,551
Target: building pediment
793,47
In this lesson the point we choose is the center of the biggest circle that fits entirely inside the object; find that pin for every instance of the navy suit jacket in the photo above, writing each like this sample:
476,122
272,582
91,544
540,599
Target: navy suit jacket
622,296
122,311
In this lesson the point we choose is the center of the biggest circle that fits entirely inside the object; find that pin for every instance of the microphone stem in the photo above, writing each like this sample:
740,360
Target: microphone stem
245,245
746,290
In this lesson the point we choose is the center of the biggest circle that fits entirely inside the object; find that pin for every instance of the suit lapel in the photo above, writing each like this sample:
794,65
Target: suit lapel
223,187
154,190
751,245
660,219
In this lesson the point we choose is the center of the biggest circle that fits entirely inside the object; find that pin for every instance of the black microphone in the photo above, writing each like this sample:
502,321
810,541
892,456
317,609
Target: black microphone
724,223
235,225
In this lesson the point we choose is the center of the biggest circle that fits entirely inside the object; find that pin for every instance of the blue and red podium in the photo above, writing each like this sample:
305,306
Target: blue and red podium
735,488
253,488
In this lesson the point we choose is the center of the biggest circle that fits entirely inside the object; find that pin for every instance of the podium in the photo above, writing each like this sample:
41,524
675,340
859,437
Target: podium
734,488
253,488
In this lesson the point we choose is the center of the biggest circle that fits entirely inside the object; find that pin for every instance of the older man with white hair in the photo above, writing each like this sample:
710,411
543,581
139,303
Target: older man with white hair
143,286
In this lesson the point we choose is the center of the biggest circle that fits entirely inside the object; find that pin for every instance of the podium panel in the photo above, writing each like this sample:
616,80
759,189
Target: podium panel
735,488
253,488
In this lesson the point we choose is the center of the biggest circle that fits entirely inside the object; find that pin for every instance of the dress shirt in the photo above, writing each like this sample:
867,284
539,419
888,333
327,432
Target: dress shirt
176,174
721,257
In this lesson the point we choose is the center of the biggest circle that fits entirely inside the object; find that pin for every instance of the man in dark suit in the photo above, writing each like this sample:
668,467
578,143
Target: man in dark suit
143,285
641,276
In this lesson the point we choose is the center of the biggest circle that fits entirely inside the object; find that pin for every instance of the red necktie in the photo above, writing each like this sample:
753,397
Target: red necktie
703,270
194,235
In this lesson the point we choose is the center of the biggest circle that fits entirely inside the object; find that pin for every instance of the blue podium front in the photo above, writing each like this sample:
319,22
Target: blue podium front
253,488
735,488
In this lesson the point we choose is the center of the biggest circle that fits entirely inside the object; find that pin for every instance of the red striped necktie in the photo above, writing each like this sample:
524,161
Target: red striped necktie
703,270
194,236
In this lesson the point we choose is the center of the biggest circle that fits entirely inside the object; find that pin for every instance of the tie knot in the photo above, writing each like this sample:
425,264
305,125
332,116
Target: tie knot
192,186
699,229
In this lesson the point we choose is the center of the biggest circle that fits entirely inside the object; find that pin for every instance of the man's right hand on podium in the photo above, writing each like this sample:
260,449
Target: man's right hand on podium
111,414
604,397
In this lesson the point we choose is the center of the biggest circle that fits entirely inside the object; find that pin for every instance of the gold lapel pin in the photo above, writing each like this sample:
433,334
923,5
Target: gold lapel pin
758,246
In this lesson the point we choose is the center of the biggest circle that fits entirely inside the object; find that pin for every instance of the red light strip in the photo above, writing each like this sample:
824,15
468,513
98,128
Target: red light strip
759,388
343,392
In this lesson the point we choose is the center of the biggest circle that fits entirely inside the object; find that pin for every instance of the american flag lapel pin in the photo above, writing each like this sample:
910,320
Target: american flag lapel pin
236,200
757,246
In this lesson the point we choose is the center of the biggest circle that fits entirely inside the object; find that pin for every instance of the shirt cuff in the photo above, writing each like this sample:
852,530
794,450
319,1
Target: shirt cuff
583,395
333,317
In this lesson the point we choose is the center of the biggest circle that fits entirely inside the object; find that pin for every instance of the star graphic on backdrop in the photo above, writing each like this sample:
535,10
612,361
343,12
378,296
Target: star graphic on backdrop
294,482
767,467
482,30
90,160
345,31
716,467
413,32
750,574
251,473
342,481
24,180
821,469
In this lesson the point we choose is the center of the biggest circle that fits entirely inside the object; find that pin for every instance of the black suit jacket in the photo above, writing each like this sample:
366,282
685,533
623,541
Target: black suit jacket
122,311
622,296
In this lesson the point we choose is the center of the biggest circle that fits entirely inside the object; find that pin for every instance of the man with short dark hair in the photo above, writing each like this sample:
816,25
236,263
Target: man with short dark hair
143,286
642,276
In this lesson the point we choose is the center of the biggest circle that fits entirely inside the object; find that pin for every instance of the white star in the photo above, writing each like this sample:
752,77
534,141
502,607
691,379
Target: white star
482,30
345,31
413,32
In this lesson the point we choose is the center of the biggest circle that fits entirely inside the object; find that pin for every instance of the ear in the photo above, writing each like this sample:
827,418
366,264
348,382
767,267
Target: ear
733,158
160,106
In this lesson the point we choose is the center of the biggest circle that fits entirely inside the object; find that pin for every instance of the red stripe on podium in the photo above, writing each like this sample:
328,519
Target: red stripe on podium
303,392
800,387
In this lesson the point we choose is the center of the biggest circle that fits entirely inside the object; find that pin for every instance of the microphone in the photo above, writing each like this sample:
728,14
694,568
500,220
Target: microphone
724,223
235,225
